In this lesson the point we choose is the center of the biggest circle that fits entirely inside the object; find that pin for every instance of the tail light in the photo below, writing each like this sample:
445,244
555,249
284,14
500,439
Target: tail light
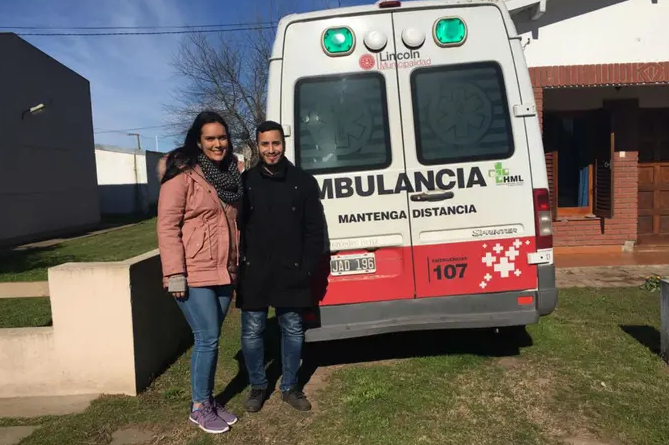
389,4
543,220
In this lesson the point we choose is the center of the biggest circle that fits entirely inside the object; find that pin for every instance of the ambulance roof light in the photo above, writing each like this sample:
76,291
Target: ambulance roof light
389,4
338,41
450,31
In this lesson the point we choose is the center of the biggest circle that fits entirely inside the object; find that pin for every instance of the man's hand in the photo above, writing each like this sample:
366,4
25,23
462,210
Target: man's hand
176,285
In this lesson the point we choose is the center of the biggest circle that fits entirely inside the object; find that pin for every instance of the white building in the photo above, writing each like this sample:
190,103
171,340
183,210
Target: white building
600,69
127,180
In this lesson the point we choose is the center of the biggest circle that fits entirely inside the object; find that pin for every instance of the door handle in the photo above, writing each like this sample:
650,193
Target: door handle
431,197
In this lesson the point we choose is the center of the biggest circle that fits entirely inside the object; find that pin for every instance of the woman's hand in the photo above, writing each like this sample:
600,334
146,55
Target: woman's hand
176,285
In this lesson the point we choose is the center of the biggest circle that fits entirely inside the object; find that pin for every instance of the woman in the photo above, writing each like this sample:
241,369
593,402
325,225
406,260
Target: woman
199,199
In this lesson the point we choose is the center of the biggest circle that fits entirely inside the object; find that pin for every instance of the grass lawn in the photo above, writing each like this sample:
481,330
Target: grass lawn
589,372
121,244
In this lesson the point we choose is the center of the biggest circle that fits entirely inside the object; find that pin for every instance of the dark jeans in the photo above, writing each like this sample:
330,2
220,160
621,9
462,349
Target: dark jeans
205,309
253,347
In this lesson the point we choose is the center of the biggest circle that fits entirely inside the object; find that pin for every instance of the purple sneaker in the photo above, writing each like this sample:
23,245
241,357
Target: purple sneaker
223,413
207,419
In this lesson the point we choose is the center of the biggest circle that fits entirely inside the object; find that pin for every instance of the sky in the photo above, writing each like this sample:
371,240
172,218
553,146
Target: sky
131,77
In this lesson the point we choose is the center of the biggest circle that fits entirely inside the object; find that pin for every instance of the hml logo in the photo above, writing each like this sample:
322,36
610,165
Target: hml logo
502,175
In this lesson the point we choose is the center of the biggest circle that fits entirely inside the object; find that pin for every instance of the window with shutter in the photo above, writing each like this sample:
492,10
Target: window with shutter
569,162
550,132
603,147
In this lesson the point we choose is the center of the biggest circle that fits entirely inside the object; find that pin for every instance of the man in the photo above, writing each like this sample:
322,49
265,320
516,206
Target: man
282,226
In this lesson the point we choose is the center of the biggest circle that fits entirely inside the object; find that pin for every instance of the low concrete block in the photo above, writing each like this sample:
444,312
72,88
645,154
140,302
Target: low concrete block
114,329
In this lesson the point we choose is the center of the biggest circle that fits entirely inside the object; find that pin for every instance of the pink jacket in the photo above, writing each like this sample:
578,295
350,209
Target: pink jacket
197,237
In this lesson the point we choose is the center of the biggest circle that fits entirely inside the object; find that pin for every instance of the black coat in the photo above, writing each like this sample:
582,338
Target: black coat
282,238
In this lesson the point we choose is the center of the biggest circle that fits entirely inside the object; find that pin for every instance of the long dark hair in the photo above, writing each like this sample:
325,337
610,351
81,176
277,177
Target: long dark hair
185,157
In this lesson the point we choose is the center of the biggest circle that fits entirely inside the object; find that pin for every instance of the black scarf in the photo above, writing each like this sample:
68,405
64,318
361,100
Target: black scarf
276,171
228,183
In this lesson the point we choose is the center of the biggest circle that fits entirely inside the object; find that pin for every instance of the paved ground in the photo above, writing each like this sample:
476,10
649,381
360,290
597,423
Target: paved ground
24,290
27,407
607,276
12,435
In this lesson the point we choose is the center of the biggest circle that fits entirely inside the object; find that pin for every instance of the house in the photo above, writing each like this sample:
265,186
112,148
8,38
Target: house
48,185
600,72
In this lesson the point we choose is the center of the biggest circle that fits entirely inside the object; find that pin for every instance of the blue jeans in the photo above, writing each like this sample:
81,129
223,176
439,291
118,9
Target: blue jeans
253,347
205,309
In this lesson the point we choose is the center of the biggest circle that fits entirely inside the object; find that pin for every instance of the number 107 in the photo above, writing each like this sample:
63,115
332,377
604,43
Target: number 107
450,271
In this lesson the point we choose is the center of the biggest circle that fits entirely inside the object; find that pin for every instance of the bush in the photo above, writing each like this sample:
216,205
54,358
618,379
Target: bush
653,283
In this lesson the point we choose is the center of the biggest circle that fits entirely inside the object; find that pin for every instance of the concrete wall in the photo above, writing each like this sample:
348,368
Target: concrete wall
127,180
47,163
591,32
114,329
153,183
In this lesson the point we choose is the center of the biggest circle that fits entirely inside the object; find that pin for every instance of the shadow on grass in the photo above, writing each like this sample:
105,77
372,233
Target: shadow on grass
22,261
648,336
238,384
36,259
481,342
106,222
113,221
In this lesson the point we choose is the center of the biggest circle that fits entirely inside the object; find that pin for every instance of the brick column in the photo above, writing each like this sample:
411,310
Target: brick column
539,99
625,197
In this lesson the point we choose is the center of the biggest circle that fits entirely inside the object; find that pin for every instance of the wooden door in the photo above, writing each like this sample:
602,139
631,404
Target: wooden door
653,226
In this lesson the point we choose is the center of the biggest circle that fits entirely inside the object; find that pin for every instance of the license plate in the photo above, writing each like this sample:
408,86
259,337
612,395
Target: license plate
364,263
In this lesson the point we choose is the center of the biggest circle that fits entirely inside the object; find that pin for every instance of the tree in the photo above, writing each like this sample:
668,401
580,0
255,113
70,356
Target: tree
227,72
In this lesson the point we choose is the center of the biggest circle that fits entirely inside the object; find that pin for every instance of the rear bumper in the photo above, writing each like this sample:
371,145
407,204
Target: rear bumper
467,311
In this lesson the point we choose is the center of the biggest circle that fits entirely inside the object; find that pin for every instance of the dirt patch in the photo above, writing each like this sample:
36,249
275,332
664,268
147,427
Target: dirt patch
319,380
533,388
131,436
582,440
317,383
509,362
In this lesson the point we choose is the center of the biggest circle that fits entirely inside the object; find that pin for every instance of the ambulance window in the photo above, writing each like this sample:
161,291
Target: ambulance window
461,114
341,123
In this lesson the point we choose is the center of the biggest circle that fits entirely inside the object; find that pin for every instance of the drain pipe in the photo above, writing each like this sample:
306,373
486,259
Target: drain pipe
536,7
539,10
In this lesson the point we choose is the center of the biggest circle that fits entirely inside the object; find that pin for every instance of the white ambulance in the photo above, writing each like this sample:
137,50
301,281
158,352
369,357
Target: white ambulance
419,123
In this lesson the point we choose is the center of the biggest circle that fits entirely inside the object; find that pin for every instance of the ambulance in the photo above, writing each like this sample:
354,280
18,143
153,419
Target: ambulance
418,121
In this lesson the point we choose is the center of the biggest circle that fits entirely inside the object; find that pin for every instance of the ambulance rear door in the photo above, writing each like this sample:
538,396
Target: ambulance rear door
472,207
346,131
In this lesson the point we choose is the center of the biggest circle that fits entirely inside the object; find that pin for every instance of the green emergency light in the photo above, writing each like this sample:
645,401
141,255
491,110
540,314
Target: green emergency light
338,41
450,31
